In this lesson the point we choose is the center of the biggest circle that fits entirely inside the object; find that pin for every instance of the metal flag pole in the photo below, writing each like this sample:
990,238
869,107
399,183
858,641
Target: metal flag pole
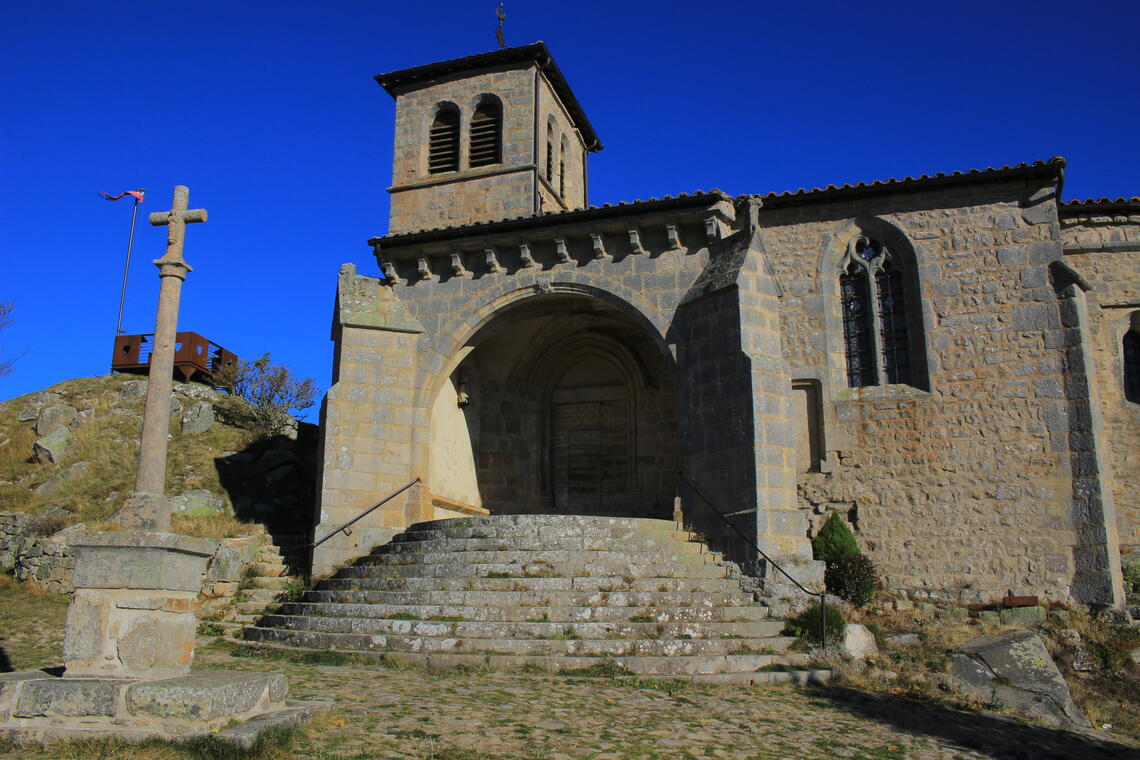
137,194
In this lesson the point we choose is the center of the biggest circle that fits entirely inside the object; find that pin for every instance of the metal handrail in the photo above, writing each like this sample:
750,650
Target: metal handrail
344,528
724,518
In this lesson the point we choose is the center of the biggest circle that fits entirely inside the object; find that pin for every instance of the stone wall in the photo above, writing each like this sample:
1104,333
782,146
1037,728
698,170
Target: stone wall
47,563
966,485
1102,243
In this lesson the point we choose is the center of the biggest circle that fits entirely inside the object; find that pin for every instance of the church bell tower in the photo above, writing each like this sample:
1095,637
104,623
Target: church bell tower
492,136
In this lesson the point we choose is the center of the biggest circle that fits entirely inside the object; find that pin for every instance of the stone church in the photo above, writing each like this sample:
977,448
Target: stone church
951,362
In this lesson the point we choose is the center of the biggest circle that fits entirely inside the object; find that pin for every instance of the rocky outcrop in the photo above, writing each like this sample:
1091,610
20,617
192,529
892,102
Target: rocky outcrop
1015,670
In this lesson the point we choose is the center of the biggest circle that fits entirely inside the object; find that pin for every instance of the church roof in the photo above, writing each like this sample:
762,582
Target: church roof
1100,206
397,82
1054,166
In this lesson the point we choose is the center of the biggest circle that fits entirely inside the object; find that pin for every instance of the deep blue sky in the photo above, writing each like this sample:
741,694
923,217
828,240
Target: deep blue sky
268,112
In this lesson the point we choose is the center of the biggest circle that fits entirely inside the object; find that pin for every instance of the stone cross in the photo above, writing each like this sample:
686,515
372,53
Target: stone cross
146,509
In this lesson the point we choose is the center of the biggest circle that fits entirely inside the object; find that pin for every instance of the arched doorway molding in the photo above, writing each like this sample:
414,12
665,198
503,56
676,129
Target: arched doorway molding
480,312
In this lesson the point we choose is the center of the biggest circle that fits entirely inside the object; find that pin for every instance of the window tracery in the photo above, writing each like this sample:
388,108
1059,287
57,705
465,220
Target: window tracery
1130,354
876,340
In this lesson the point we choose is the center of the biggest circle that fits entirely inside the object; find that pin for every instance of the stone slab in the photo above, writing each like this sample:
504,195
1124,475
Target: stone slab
138,560
68,697
206,696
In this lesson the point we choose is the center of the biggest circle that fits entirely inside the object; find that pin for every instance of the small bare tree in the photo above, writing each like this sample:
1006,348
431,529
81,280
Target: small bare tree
5,320
270,389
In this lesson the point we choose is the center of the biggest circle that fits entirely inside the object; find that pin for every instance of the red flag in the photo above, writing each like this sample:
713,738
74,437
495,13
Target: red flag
138,195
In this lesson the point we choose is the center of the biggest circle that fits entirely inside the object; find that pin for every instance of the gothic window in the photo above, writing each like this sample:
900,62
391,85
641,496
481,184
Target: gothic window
876,341
443,141
1130,353
550,150
487,134
562,169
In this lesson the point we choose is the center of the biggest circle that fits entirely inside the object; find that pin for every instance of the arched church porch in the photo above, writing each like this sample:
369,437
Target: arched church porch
561,404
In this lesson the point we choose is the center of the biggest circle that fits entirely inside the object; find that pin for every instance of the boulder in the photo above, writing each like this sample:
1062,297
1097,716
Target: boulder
133,390
54,417
904,640
52,447
198,418
196,391
858,642
27,414
1015,669
197,503
55,481
1023,616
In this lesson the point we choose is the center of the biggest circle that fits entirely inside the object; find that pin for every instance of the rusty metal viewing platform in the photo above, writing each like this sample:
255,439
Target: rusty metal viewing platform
195,357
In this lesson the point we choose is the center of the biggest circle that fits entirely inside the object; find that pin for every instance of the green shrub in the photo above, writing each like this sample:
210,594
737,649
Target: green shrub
805,625
852,577
834,539
1132,577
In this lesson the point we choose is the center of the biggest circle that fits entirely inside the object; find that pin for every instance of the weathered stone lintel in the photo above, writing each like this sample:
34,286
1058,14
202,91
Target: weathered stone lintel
365,302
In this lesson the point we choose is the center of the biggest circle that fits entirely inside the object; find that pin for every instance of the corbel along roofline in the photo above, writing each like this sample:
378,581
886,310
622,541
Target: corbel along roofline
409,245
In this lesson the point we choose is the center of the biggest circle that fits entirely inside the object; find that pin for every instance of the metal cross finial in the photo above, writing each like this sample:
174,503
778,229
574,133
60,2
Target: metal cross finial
501,15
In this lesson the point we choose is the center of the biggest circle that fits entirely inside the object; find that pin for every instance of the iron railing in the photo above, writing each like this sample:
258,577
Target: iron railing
748,539
346,527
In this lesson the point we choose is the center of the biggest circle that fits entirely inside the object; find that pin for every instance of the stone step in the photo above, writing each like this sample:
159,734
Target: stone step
260,595
539,584
535,569
550,524
557,557
528,629
496,613
271,569
527,598
669,534
532,542
253,607
743,668
681,649
269,582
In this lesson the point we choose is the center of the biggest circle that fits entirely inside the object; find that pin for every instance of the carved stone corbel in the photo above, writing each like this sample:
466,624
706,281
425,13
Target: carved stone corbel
390,276
524,254
492,260
672,236
599,246
457,268
635,245
423,267
563,253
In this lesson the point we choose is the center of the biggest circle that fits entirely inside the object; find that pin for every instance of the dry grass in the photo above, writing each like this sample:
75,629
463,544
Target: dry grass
31,625
108,443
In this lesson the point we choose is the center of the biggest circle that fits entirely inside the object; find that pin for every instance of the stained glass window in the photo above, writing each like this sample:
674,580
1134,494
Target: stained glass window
875,338
857,340
1131,356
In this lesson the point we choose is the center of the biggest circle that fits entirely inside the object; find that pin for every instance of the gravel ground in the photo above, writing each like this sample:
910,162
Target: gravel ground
385,713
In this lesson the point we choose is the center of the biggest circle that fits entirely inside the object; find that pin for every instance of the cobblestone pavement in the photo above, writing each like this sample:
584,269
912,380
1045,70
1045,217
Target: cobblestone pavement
390,713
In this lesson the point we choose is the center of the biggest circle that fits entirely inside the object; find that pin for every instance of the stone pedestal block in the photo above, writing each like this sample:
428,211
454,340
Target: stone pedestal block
133,610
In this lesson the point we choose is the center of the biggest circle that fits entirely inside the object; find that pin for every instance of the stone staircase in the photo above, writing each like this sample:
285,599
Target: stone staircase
271,576
556,593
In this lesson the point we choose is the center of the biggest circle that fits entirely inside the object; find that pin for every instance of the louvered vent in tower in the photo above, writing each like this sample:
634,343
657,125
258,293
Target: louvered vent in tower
487,135
443,143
